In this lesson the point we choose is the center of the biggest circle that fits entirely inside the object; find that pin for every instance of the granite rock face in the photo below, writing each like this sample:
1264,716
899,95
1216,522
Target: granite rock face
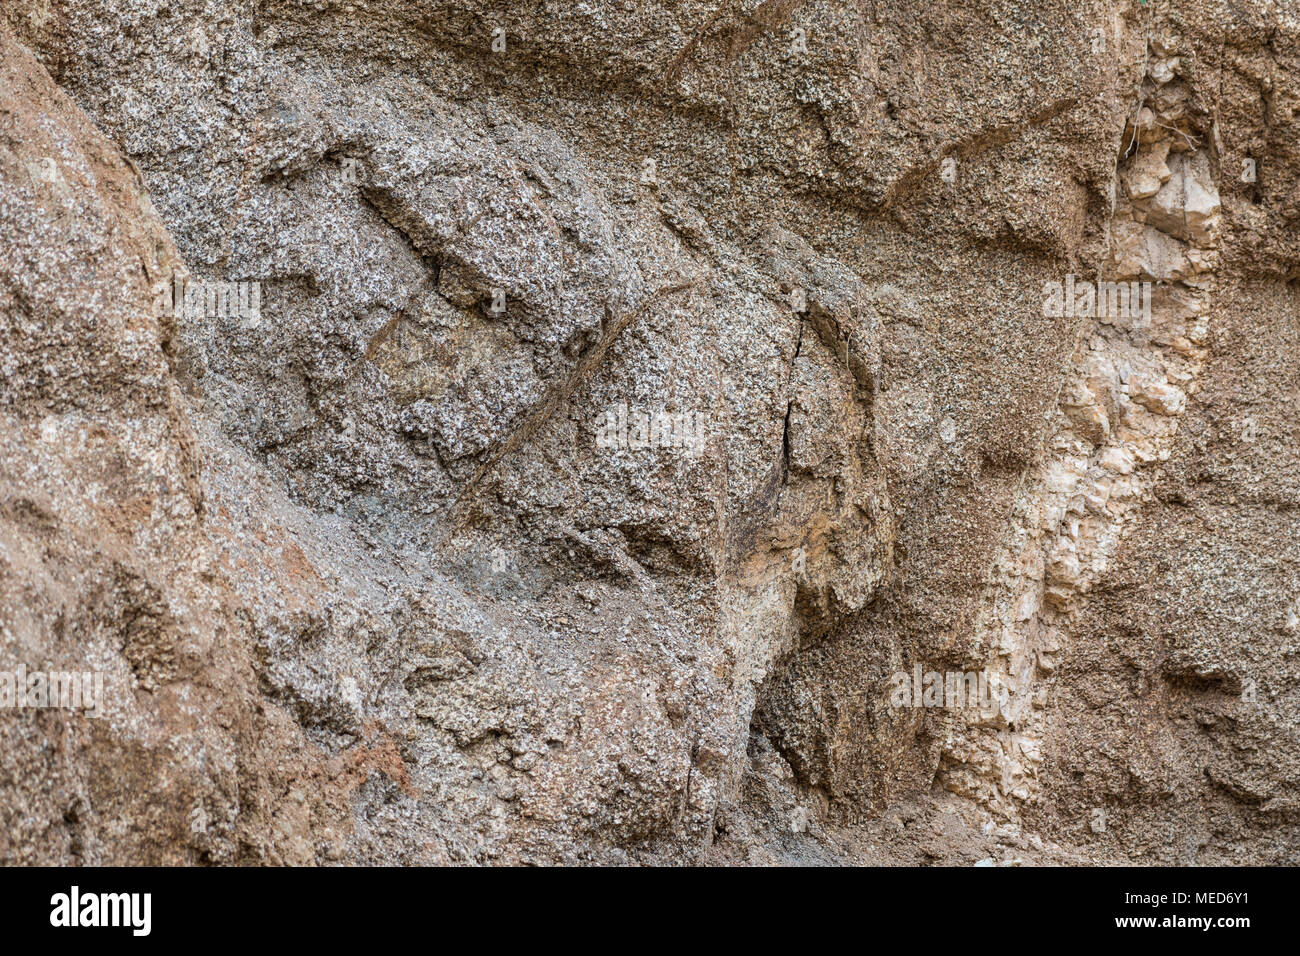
497,433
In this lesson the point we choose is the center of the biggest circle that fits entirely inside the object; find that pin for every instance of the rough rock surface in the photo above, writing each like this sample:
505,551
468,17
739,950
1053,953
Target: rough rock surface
632,392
